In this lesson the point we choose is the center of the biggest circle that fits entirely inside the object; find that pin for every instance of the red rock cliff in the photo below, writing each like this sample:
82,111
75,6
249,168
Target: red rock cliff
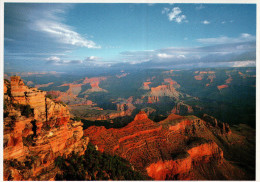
36,131
154,146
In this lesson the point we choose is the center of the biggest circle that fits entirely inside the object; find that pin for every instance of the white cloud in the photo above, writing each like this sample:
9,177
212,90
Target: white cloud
248,63
225,53
164,55
71,62
169,56
206,22
223,22
91,58
89,62
165,10
50,21
53,58
58,61
175,14
139,61
244,37
64,34
181,56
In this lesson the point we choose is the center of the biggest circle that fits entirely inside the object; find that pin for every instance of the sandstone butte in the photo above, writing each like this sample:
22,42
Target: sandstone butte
70,97
182,109
76,86
39,138
168,88
179,147
220,87
200,76
126,107
227,81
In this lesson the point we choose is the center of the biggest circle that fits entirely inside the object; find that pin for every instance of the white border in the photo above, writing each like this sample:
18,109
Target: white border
135,1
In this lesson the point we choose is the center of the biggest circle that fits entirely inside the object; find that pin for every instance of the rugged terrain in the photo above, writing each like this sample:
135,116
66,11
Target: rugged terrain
36,131
176,124
215,91
177,148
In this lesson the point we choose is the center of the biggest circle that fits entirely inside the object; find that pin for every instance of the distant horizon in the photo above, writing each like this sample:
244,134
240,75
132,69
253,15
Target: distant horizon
71,37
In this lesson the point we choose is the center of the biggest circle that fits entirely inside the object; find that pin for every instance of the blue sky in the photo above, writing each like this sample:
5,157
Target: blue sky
67,37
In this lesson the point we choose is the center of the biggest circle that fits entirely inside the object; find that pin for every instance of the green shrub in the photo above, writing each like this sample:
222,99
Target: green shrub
94,165
49,96
76,118
26,110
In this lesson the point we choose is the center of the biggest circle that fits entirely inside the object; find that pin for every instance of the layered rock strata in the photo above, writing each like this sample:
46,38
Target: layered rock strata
36,131
157,149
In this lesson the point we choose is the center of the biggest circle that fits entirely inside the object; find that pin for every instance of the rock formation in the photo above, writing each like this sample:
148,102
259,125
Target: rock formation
170,149
36,131
146,85
220,87
213,122
227,82
69,98
182,109
162,91
172,82
202,74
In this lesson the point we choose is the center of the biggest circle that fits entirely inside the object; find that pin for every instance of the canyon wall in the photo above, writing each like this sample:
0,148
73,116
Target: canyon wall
157,149
36,131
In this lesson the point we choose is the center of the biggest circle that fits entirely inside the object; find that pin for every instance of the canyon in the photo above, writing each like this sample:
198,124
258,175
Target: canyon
173,149
166,124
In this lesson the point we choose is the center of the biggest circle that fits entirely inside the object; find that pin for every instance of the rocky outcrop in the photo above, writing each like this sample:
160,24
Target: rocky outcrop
202,74
146,85
181,166
220,87
162,91
75,88
204,152
198,77
69,98
159,147
171,169
227,82
94,83
153,99
223,128
36,131
125,106
172,82
167,89
148,110
182,109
